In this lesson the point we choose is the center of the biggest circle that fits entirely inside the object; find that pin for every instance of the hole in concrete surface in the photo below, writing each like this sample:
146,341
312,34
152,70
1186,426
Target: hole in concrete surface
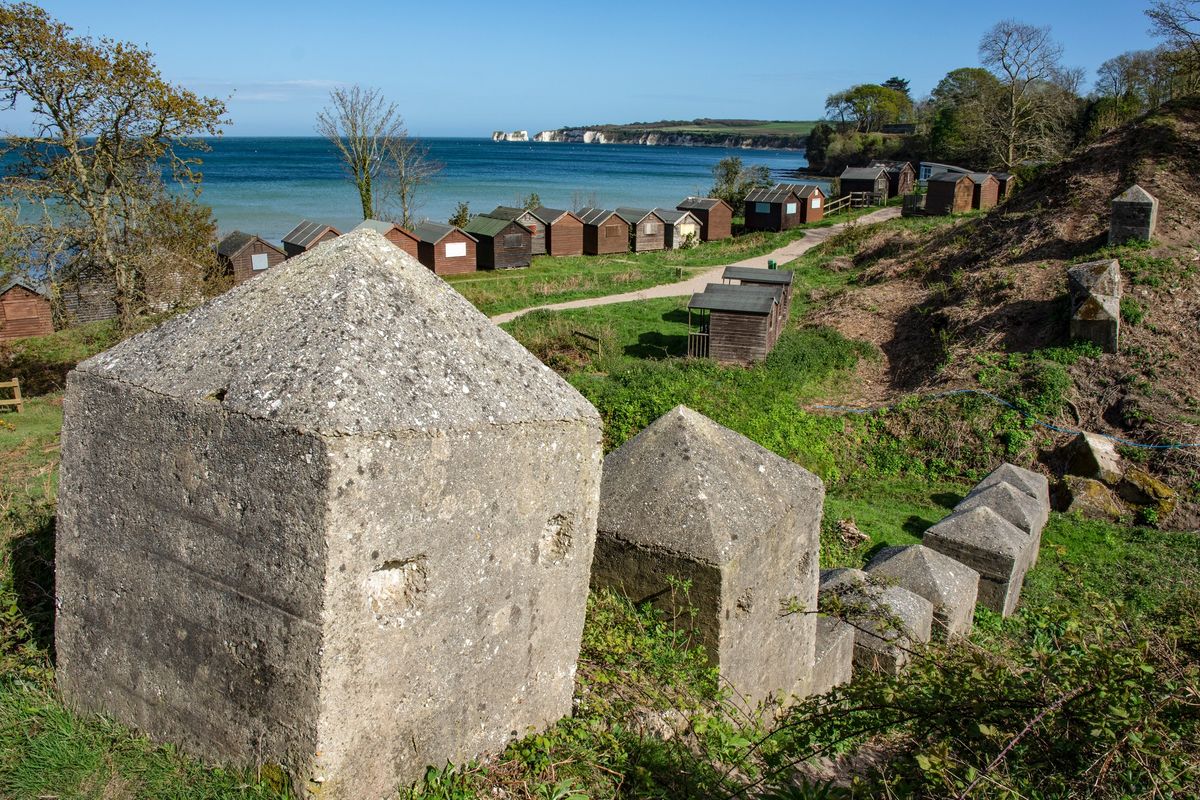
396,587
555,540
217,396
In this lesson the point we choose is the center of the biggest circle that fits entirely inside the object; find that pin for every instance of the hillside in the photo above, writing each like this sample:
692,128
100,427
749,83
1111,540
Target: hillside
938,303
769,134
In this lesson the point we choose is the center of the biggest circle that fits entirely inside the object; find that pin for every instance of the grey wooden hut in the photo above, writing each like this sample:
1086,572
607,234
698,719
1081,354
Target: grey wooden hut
529,220
647,230
866,180
735,324
679,226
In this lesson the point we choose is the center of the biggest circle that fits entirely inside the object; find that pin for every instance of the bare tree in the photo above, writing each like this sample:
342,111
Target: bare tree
1027,63
361,123
1177,21
406,170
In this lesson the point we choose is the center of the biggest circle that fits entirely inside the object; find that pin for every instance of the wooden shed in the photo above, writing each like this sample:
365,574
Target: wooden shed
680,225
734,326
985,191
24,311
774,209
444,248
715,215
244,255
501,243
529,220
867,180
403,238
1007,182
900,174
812,201
648,231
306,236
949,193
756,276
603,232
564,231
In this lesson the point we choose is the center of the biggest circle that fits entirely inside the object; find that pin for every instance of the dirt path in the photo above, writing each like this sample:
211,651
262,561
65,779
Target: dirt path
695,284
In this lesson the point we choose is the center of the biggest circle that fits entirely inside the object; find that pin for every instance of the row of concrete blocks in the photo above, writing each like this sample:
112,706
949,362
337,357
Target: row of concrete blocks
976,556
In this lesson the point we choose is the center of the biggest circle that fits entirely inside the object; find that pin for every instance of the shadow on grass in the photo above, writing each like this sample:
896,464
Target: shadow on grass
652,345
31,556
916,526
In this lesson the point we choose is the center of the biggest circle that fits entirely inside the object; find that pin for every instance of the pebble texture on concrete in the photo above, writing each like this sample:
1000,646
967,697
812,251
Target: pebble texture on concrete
889,620
333,518
689,499
951,586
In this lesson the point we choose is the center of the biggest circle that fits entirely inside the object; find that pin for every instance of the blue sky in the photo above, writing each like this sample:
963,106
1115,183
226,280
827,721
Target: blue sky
465,68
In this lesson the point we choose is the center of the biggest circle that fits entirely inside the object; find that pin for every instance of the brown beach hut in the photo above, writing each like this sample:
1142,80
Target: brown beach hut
403,238
1007,182
648,231
985,191
306,236
774,209
715,215
529,220
949,193
500,243
900,174
244,255
812,201
603,232
564,231
444,248
734,326
868,180
24,311
679,225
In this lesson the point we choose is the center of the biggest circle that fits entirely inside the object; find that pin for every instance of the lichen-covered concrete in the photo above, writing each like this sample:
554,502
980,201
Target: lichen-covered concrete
950,585
990,545
690,500
333,518
1095,457
889,621
1095,291
1012,504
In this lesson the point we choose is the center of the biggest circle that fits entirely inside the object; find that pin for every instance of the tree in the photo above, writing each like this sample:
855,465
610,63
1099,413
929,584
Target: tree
361,125
733,180
868,106
1178,21
406,171
961,105
1030,122
106,127
816,146
531,202
461,215
897,84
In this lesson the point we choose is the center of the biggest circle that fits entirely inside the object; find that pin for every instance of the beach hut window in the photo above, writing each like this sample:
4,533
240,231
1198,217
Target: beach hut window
611,232
456,249
512,240
816,202
762,208
258,261
791,208
649,228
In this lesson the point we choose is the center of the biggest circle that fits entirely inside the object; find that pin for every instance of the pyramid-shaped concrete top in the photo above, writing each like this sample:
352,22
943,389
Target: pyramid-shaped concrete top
686,485
933,575
352,337
1096,277
1032,483
1135,194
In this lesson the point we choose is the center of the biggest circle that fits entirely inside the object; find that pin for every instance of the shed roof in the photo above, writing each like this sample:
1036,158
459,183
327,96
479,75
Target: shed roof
774,194
594,216
980,177
773,290
862,173
674,217
307,232
488,226
352,338
549,216
233,243
31,286
434,232
948,177
509,213
634,215
702,204
380,226
890,166
746,302
758,275
802,189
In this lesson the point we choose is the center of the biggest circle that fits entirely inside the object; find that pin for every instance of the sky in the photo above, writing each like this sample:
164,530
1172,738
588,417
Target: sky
466,68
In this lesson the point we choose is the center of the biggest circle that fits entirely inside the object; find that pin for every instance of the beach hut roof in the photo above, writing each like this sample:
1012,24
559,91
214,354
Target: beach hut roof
673,217
801,189
31,286
594,216
489,226
233,243
379,226
949,177
862,173
758,275
775,194
745,302
980,177
509,213
434,232
702,203
308,232
549,216
890,166
634,215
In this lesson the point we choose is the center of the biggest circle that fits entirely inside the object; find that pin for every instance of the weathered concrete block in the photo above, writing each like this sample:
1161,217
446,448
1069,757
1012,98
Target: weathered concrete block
990,545
1143,489
950,585
1134,216
834,663
889,620
688,499
1101,277
1098,320
1090,498
334,518
1032,483
1017,507
1095,457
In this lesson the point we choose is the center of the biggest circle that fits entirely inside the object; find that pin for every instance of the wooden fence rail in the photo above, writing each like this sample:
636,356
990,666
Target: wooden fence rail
15,400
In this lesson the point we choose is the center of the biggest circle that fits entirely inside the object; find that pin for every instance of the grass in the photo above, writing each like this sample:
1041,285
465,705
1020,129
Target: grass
42,362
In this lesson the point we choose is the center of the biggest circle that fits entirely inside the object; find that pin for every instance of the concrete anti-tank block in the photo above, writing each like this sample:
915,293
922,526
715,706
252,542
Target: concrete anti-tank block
990,545
1095,457
1134,216
889,620
688,499
834,664
950,585
1015,506
334,518
1031,483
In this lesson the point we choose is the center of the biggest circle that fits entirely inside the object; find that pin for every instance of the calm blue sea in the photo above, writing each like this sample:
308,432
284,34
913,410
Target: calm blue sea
266,185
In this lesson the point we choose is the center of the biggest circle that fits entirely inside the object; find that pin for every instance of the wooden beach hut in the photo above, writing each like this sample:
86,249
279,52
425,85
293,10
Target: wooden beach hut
900,174
500,243
647,229
812,201
756,276
1007,182
715,215
865,180
530,221
949,193
403,238
306,236
244,255
732,324
679,226
774,209
985,191
444,248
564,231
24,310
603,232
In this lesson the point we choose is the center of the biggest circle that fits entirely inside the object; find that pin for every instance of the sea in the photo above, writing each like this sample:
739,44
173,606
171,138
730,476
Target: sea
267,185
